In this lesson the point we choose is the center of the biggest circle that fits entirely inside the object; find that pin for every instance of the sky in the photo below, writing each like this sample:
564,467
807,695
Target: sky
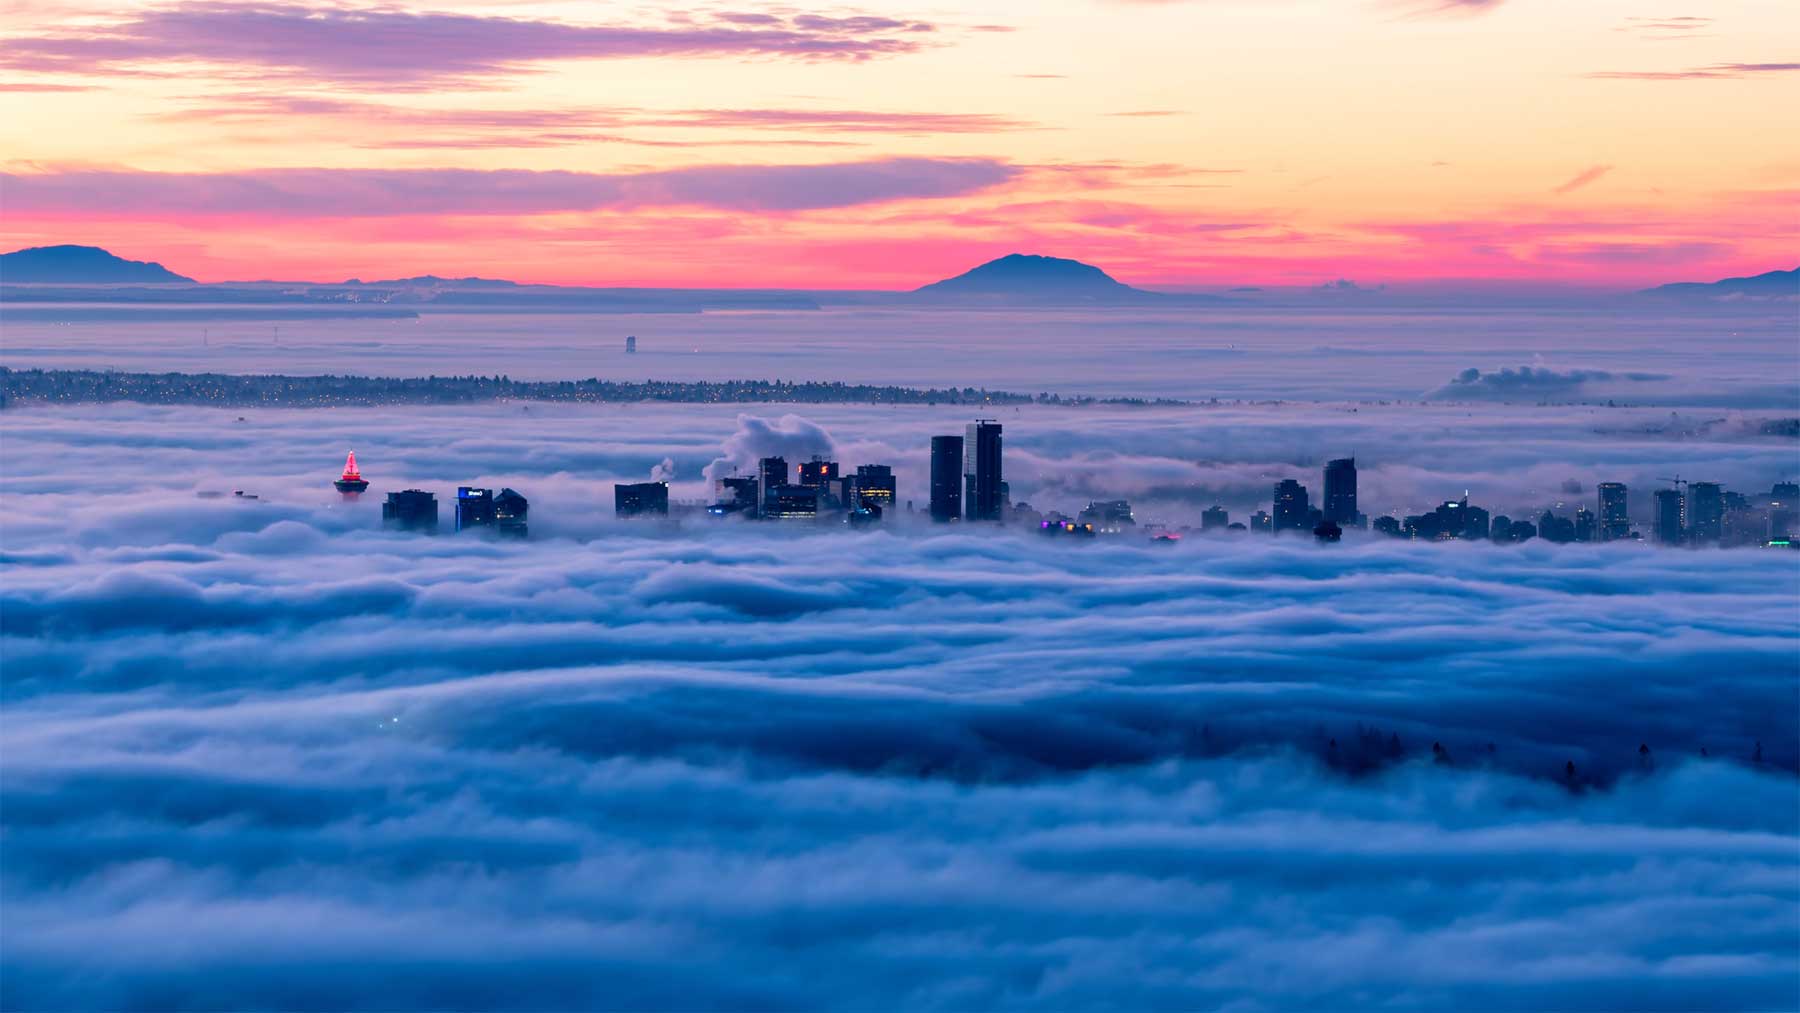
1209,142
263,754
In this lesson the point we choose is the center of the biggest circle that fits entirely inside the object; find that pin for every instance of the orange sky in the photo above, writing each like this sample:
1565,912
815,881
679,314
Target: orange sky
1174,143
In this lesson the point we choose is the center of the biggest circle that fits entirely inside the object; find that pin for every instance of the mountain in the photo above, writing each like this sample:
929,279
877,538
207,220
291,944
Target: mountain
1026,277
79,265
1771,286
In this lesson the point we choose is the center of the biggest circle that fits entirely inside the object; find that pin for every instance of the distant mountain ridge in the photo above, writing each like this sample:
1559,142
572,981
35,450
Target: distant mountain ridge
80,265
1034,278
1774,286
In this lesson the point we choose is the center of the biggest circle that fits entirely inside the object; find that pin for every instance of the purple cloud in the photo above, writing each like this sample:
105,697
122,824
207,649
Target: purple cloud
1717,71
381,192
1583,178
388,47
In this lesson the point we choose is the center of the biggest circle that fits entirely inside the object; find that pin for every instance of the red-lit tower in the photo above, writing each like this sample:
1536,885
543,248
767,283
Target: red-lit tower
351,482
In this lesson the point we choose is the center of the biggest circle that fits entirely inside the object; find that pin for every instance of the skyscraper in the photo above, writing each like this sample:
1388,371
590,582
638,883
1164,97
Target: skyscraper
633,498
1614,522
474,508
874,484
1215,518
771,472
510,509
1706,512
1340,491
818,472
982,498
1291,508
946,477
1668,516
410,510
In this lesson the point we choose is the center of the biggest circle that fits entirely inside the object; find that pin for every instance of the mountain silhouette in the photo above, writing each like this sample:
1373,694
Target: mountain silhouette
1775,286
1032,278
83,265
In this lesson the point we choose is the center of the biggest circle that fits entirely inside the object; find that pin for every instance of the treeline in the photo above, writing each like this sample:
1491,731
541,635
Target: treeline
58,386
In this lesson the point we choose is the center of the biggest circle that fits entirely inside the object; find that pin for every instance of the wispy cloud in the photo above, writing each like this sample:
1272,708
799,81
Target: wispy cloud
389,47
328,193
1582,178
1711,72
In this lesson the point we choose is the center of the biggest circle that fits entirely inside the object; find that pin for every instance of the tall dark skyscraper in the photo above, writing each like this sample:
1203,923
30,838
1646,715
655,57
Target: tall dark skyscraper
1340,491
818,472
631,499
474,508
772,473
875,483
982,496
1291,508
411,510
1614,522
1705,512
1668,516
510,510
946,477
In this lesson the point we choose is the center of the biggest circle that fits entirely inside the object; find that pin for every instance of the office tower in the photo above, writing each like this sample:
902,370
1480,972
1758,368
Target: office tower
946,478
510,509
1668,515
1476,524
1215,518
982,496
1614,522
1558,530
1706,512
1585,524
1328,531
630,344
772,472
410,510
631,499
1291,509
350,483
1389,526
1784,511
1108,516
791,503
474,508
735,494
1340,491
818,473
1261,523
874,484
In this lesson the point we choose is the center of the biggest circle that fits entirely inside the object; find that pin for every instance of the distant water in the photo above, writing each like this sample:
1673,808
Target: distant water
1680,357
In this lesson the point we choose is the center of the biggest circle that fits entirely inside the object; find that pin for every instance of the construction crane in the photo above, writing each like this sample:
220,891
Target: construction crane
1677,481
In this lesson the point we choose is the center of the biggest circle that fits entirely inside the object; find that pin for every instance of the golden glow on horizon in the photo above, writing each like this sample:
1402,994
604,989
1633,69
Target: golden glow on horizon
1201,142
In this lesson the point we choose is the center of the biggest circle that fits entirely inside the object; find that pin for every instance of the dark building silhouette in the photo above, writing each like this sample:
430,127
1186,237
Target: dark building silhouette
1389,526
1328,531
632,499
874,484
1261,523
1614,522
983,496
946,478
1586,525
735,494
630,344
1705,513
1668,516
791,503
818,473
1340,491
1784,512
510,510
474,508
772,473
1215,518
350,483
1291,510
1552,528
1108,517
410,510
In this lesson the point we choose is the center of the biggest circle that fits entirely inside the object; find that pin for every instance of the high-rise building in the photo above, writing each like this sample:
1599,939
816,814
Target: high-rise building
631,499
474,508
1340,491
510,509
350,483
1705,512
1784,512
735,494
946,478
410,510
1585,524
772,472
874,484
791,503
1668,515
1215,518
1108,516
1261,523
818,472
1291,509
1614,522
983,499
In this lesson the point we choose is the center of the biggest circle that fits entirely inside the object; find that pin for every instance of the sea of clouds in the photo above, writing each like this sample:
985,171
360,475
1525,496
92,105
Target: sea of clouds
262,754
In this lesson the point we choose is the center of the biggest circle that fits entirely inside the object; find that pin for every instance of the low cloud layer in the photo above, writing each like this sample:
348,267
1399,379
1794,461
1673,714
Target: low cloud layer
1532,382
265,754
